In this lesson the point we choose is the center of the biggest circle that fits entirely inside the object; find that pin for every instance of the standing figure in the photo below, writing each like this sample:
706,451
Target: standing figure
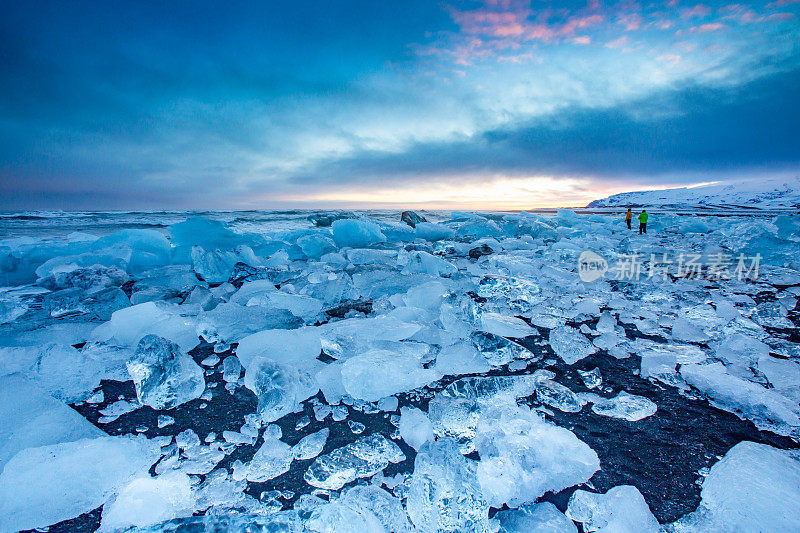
643,222
628,217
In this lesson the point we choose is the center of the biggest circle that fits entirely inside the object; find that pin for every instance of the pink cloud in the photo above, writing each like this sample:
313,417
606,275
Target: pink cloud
582,39
617,43
631,21
703,28
781,17
781,3
697,11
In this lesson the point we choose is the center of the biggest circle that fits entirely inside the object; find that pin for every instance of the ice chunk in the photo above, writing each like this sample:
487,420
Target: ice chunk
315,245
379,373
230,322
45,485
462,358
626,406
766,408
454,412
349,337
146,501
753,488
434,232
591,378
498,350
536,518
231,369
444,493
505,326
30,418
363,458
556,395
620,510
522,456
415,427
216,266
271,460
420,262
301,306
356,233
279,388
164,377
127,326
366,509
311,445
569,344
685,331
64,372
280,345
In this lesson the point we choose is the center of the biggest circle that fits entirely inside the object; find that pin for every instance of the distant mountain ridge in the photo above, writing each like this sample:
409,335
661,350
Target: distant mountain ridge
781,193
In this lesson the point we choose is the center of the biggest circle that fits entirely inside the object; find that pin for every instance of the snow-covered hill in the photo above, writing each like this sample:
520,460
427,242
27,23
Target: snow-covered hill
781,193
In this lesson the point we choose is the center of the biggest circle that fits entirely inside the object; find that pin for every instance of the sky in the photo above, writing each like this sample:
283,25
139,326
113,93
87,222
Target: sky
505,104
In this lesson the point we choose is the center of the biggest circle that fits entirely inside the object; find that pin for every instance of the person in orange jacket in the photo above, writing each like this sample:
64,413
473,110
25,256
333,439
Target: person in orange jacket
628,217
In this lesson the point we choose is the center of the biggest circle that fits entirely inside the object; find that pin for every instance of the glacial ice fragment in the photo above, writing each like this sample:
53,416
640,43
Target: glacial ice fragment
363,458
164,377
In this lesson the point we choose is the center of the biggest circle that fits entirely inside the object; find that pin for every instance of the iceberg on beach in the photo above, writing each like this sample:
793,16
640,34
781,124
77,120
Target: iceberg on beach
439,373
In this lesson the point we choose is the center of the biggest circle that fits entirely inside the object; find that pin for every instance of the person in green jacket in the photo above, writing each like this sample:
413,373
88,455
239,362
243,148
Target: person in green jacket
643,222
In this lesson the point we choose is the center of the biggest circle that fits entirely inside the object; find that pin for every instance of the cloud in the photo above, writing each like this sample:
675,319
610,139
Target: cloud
688,132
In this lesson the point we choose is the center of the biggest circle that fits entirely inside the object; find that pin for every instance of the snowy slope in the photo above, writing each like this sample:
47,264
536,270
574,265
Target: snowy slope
761,194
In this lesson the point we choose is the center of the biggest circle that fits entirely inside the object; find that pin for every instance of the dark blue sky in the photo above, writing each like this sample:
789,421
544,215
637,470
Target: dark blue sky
498,103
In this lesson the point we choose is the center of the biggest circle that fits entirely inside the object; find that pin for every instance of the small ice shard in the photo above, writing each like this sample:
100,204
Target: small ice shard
363,458
380,373
444,493
146,501
556,395
164,421
389,403
454,412
626,406
272,459
164,377
591,378
535,518
620,510
311,445
569,344
356,427
498,350
117,409
45,485
231,369
523,456
279,388
754,487
415,427
505,326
